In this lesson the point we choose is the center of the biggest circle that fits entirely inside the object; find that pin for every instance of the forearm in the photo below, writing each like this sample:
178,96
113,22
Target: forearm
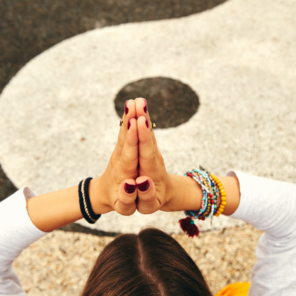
53,210
186,194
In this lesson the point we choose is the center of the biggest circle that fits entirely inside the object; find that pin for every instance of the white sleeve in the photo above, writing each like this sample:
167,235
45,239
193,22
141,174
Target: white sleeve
270,206
17,232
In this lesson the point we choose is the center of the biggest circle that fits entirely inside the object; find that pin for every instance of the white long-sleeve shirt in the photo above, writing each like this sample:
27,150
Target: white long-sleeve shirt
266,204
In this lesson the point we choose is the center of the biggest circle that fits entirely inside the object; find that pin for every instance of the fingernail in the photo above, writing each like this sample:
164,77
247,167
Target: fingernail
144,186
147,124
129,124
145,107
126,108
129,188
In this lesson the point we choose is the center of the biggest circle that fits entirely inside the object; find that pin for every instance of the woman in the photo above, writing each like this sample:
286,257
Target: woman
152,263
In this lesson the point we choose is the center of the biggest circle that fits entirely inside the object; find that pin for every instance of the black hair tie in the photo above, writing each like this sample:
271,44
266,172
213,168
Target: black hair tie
84,202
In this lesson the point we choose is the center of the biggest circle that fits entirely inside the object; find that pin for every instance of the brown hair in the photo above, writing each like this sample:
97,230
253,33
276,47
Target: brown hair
151,263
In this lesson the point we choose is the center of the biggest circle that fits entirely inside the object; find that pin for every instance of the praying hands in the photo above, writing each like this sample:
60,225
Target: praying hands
135,179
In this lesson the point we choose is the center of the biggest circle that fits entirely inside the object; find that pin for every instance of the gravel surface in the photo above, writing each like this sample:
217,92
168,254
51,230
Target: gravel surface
59,263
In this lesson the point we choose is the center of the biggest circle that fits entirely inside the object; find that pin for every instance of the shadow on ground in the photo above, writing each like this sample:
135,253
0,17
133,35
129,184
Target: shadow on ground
82,229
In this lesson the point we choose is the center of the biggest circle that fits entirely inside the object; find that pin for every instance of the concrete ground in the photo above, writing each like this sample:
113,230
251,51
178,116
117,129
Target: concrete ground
238,58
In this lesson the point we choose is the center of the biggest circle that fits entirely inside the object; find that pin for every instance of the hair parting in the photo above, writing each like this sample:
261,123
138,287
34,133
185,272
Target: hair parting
151,263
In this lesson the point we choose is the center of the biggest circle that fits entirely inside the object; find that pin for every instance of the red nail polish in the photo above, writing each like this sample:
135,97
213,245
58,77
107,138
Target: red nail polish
126,108
147,124
129,188
145,107
144,186
129,124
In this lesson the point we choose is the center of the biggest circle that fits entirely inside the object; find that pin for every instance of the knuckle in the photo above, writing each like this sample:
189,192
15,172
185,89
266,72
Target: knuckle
128,157
150,158
129,168
118,179
126,200
147,197
131,143
120,140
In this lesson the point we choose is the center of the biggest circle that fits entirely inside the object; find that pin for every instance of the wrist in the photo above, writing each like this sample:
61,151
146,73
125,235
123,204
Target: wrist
232,189
183,194
98,197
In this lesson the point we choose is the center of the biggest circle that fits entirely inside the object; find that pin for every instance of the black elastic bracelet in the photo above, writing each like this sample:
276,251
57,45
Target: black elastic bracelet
84,202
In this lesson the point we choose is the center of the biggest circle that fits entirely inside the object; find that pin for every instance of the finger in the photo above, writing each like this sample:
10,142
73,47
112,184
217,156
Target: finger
142,109
129,155
127,194
129,112
147,199
147,155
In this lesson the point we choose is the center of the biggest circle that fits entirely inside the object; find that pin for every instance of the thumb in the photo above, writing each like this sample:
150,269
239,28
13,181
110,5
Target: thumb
127,194
147,200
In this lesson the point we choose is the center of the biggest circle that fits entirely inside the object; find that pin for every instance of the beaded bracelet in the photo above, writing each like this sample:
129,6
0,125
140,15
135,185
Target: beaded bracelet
214,186
212,197
205,193
216,192
222,196
210,203
187,224
212,189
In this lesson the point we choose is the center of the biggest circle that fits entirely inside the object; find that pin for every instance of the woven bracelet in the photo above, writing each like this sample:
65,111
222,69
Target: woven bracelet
84,202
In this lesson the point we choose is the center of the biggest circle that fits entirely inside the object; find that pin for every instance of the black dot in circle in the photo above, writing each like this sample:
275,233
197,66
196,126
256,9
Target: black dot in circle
170,102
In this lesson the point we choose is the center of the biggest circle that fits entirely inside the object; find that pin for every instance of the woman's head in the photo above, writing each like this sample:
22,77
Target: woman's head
150,263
